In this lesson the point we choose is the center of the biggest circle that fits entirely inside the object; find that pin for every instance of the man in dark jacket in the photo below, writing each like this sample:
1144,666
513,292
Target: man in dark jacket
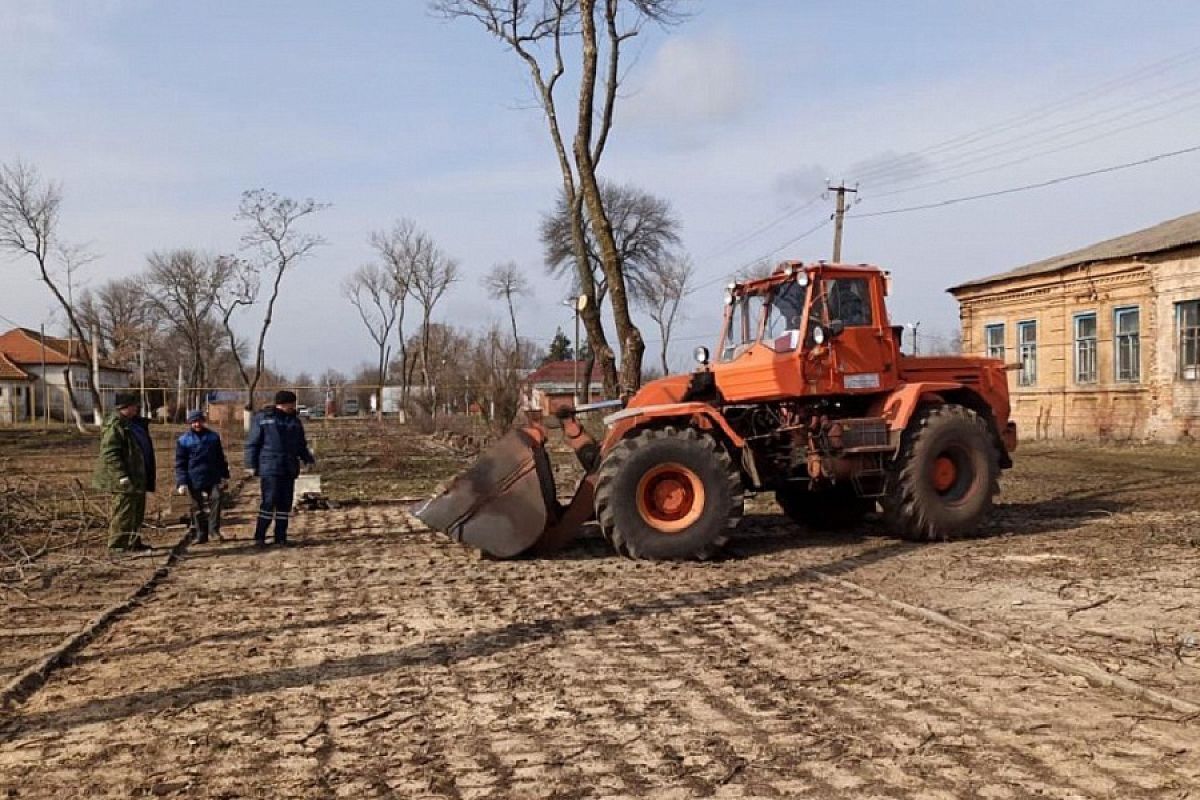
201,471
126,468
274,450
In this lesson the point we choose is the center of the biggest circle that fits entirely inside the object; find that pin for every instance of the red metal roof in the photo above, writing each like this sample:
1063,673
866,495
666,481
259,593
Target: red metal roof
24,347
11,372
558,372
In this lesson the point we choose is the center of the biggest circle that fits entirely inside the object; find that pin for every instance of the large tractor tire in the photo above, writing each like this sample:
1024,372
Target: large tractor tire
942,482
668,494
835,508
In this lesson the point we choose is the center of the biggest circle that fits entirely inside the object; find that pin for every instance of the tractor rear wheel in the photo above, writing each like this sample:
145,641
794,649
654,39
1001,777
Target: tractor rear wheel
668,494
943,480
835,508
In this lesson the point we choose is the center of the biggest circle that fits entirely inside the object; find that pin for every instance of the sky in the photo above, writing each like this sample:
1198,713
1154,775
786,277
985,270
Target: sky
154,115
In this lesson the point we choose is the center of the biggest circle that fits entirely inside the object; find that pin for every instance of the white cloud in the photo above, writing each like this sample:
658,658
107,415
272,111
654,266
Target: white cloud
701,79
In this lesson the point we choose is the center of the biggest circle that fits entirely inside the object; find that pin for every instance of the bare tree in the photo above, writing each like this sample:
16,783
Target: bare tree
376,294
186,287
29,209
400,247
122,315
432,274
276,247
660,291
505,282
537,34
645,229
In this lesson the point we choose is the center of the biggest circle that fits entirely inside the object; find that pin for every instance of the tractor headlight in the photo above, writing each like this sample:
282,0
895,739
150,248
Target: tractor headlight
818,335
729,298
802,278
701,355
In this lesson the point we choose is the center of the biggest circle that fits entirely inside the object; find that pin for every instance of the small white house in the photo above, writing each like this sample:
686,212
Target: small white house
15,392
50,362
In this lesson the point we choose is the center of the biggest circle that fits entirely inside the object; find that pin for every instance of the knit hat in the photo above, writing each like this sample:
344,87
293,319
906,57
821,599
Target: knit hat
283,396
124,399
195,416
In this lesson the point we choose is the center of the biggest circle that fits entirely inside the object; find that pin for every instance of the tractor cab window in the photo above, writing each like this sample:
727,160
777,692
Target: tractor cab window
743,325
849,300
784,316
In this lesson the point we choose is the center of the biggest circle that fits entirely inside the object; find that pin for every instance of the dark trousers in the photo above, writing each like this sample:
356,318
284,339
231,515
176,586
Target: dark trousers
206,512
276,504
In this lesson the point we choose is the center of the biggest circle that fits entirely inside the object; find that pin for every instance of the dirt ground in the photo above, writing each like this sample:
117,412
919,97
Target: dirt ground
379,659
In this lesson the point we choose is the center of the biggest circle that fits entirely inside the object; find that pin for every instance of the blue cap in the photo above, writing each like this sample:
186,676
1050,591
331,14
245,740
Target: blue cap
194,416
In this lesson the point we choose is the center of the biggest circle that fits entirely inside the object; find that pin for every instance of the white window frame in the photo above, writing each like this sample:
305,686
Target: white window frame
990,350
1087,367
1188,371
1127,346
1027,353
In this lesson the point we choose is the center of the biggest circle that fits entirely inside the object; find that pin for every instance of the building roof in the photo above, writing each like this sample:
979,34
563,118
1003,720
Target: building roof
1179,232
11,372
23,346
561,372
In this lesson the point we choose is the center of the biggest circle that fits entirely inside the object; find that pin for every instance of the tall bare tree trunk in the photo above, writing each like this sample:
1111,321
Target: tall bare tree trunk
592,322
632,346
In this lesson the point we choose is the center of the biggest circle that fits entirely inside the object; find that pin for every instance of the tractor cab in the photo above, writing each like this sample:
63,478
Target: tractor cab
805,330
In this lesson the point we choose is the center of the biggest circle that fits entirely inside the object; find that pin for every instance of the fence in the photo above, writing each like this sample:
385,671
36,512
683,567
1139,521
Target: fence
49,404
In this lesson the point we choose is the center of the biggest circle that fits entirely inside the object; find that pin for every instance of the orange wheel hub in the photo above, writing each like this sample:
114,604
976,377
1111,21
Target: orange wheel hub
670,497
944,473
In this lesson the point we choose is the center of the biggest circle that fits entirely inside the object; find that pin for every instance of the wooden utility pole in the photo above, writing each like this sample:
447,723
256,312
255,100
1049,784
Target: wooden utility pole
838,218
45,382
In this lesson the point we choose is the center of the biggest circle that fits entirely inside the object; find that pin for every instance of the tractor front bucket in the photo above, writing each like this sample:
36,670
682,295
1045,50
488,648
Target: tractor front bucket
506,504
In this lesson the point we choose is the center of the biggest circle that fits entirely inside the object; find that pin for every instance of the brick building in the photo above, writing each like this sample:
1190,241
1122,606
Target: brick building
552,385
1103,342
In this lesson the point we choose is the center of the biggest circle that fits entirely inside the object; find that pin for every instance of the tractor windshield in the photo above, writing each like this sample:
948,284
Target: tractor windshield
776,312
744,320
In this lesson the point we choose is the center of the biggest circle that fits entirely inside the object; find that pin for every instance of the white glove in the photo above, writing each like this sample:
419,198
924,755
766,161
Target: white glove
123,482
180,490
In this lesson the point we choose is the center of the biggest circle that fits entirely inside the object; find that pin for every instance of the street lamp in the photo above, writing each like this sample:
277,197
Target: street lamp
578,304
913,326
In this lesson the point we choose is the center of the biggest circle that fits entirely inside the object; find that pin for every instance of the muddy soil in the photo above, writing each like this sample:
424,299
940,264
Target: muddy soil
378,659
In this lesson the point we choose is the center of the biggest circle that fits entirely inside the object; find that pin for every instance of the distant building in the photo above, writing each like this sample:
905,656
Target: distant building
64,360
15,392
1104,342
552,385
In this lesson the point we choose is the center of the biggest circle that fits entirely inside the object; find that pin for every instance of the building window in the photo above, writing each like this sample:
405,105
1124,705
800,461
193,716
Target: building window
993,341
1027,352
1085,348
1187,322
1128,359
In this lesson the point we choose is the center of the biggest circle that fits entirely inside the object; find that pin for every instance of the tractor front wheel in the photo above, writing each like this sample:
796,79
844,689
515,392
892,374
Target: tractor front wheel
668,494
944,478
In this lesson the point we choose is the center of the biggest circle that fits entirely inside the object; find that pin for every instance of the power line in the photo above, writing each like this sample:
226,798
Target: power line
968,160
743,238
1039,113
753,261
1030,186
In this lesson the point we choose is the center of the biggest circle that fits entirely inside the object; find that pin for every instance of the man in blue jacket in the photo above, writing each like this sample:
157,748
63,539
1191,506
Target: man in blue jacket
201,471
274,450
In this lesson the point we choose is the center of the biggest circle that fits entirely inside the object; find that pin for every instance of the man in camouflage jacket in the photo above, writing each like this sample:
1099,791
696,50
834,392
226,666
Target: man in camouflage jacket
126,468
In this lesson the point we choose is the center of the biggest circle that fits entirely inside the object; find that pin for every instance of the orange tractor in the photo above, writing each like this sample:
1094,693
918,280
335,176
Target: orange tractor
809,397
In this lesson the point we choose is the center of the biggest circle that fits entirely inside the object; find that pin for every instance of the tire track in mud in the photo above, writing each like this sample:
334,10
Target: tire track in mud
1033,773
591,676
